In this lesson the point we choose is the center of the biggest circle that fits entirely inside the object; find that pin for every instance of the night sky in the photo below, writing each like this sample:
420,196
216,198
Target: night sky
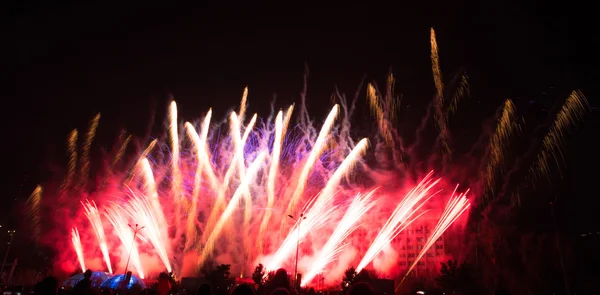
62,64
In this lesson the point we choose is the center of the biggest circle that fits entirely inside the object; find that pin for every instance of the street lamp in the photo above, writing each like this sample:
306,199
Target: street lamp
136,229
299,221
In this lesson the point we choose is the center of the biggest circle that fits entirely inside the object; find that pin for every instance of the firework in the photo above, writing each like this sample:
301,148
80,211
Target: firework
439,96
401,218
33,210
462,90
222,191
85,157
76,239
571,112
455,207
318,148
93,215
506,129
360,206
116,216
120,152
72,166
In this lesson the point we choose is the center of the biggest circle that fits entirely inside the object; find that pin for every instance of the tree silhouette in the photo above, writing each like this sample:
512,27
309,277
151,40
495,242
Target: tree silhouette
219,276
348,278
258,276
449,279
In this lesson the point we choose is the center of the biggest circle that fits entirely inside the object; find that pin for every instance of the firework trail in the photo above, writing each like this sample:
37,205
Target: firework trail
272,177
33,211
225,216
76,239
360,206
377,110
462,90
345,167
72,166
141,212
315,153
158,216
455,207
316,217
320,208
199,146
288,118
93,215
85,157
136,167
506,129
571,112
120,152
116,216
237,164
400,218
176,182
439,97
243,104
239,145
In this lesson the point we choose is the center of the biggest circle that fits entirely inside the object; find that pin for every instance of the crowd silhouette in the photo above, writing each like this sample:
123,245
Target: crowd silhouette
278,284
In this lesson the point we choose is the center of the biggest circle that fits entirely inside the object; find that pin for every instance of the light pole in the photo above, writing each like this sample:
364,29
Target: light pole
136,229
299,220
11,233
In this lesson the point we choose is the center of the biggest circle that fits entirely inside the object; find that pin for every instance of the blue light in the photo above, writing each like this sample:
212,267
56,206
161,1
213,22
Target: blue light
115,282
97,279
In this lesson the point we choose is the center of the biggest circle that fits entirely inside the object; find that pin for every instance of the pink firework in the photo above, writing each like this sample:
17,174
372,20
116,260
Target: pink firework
401,218
76,239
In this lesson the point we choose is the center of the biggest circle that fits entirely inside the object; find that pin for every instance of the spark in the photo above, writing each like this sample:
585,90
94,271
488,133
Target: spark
141,212
85,157
360,206
116,216
93,215
400,218
76,239
120,152
506,129
72,166
454,209
216,231
571,112
316,151
439,96
462,90
33,211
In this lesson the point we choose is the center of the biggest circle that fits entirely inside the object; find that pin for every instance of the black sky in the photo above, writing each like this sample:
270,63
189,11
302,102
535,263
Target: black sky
62,63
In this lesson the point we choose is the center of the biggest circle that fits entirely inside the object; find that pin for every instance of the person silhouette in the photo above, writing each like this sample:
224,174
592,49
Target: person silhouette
84,287
242,289
204,289
361,288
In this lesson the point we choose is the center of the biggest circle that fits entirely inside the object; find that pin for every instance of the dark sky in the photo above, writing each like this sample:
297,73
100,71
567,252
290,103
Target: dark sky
61,64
